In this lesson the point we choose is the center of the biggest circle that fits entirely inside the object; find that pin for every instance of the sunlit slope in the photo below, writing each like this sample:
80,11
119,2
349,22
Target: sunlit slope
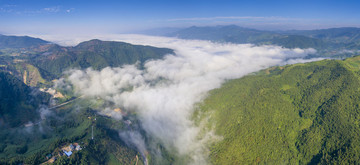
296,114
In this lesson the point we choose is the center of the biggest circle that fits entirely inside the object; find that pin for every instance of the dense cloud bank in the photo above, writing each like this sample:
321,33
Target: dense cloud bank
163,94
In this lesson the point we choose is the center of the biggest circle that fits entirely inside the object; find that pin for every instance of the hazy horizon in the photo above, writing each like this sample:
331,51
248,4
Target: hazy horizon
41,17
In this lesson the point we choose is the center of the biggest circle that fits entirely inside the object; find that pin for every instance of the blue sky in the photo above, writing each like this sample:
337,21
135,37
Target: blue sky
118,16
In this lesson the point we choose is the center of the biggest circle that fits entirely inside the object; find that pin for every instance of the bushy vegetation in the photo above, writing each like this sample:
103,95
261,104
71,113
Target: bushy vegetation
297,114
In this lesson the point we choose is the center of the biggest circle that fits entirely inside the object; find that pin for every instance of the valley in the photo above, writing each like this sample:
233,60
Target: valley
162,82
50,118
125,103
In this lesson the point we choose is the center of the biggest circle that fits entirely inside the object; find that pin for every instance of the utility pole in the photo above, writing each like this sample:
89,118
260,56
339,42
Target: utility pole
92,132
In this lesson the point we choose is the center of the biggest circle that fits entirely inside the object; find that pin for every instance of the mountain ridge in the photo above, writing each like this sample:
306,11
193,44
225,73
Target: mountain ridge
52,59
96,54
20,41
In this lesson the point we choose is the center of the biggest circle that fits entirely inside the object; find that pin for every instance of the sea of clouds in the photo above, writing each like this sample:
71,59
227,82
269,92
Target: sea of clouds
164,93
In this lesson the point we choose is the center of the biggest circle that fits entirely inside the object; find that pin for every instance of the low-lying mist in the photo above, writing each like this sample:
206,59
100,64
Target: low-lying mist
164,92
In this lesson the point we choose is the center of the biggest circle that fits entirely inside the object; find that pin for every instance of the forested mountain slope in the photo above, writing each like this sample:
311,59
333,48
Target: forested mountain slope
97,54
32,128
296,114
23,55
18,102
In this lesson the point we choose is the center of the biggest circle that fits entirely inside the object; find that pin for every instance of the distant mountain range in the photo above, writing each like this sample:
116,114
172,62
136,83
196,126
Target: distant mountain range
337,35
20,42
335,42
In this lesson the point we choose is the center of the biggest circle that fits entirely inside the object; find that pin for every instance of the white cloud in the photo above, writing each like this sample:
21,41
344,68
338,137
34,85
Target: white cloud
164,93
70,10
14,9
7,8
54,9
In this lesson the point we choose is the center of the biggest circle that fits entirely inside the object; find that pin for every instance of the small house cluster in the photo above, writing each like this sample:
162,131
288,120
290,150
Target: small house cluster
68,150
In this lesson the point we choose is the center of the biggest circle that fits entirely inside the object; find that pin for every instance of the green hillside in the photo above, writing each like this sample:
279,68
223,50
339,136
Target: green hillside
18,102
50,60
96,54
297,114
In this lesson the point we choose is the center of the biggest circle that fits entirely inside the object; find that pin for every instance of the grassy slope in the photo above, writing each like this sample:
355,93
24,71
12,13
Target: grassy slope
297,114
29,74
